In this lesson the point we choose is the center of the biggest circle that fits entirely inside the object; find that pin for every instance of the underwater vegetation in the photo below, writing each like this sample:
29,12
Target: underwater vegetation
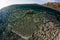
25,19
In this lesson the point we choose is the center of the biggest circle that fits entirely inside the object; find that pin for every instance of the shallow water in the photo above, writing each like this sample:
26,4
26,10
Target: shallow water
5,12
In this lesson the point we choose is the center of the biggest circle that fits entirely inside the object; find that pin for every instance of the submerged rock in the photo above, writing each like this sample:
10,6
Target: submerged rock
31,21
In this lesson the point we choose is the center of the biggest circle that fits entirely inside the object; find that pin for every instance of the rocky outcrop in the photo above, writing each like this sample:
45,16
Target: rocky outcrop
54,5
